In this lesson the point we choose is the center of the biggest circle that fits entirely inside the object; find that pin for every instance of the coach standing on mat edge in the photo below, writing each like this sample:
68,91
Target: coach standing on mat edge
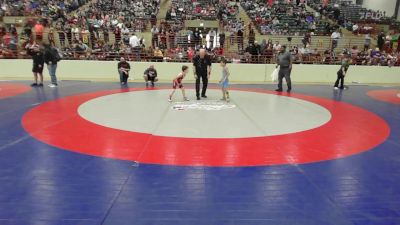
202,68
284,60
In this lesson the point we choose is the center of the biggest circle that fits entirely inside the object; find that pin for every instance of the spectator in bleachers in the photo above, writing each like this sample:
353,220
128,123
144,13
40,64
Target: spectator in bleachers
239,36
222,39
277,47
354,52
306,39
398,43
212,35
190,53
387,47
134,41
154,36
381,40
39,29
367,42
336,35
158,54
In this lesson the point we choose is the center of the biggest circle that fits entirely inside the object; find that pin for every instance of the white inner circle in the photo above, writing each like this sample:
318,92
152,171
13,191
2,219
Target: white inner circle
252,115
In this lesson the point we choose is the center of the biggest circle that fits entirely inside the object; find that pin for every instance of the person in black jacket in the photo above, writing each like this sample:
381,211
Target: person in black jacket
202,69
38,64
381,40
51,58
222,39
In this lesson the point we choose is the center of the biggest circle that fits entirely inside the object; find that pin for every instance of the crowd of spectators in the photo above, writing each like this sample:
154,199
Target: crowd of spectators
83,31
85,34
284,17
267,51
345,10
188,9
353,17
101,17
42,8
201,9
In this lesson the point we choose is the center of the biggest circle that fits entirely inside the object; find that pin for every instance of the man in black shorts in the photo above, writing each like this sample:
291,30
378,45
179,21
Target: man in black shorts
38,64
150,75
202,69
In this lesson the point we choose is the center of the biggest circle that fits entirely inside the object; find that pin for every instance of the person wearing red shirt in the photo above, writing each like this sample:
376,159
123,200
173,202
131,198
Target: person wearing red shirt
190,53
177,83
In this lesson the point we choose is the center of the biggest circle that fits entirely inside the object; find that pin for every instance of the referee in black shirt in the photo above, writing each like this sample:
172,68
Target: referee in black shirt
202,69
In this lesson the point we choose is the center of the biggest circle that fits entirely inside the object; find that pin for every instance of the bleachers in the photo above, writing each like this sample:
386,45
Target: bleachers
292,19
351,12
49,9
201,9
105,43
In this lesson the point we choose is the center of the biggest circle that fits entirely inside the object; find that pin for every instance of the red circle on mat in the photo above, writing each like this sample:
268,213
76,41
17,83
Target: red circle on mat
12,89
390,96
351,130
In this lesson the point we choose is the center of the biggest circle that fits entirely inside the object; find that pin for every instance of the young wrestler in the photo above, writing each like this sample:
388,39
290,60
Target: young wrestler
177,82
224,80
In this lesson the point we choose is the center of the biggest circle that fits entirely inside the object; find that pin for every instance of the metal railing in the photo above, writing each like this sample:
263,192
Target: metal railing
141,55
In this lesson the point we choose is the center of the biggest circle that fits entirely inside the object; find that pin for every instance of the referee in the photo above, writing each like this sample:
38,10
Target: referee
202,69
284,60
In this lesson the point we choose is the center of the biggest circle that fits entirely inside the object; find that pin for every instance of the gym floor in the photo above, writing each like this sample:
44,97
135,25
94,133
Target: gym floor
90,153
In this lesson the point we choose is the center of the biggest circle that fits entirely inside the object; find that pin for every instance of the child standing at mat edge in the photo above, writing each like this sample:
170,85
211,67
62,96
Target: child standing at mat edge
177,82
224,80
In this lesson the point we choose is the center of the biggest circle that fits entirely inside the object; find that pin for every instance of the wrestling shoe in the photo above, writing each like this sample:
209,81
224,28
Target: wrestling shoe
279,90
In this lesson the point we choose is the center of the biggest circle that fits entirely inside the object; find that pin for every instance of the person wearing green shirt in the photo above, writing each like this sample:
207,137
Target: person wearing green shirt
342,72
